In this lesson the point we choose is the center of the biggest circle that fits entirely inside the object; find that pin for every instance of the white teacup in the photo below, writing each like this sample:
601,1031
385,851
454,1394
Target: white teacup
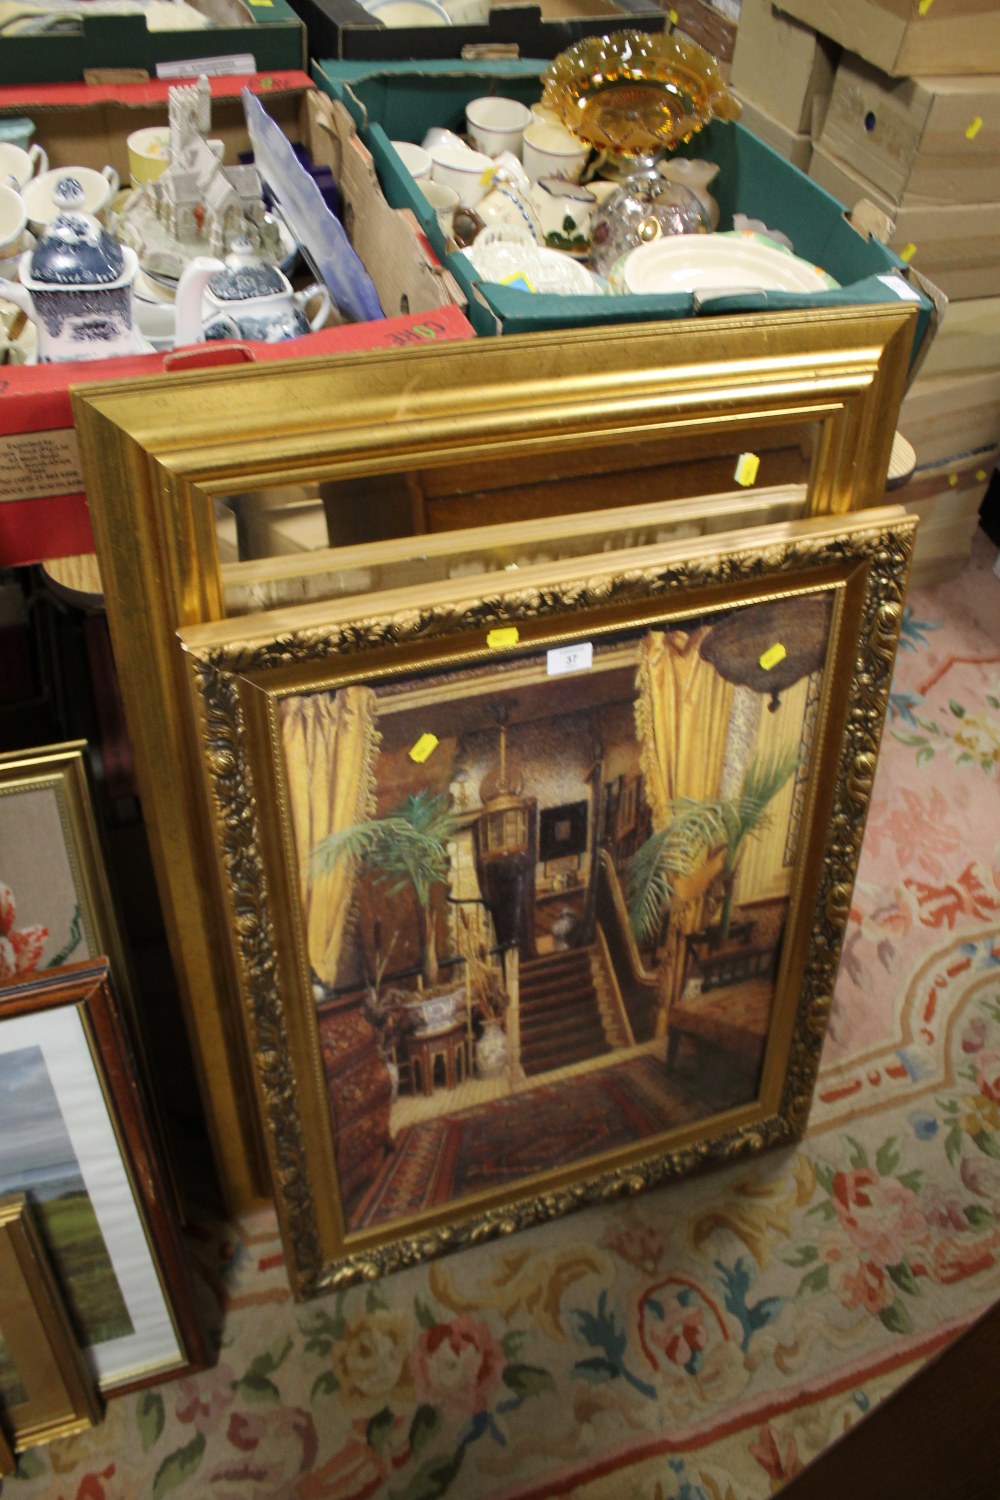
552,151
442,198
43,201
415,159
467,171
496,124
17,166
13,219
13,224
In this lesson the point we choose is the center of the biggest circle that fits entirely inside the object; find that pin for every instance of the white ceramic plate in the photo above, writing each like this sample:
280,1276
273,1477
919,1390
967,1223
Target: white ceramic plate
408,13
726,263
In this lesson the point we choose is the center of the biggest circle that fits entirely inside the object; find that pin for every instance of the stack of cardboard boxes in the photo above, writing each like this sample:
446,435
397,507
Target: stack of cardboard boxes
897,103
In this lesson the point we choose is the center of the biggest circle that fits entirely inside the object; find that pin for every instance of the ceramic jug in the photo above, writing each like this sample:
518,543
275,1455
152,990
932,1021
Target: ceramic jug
243,298
76,287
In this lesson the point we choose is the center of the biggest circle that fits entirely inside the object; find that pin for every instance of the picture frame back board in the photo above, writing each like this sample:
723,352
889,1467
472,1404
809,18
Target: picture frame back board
416,440
75,1139
46,1389
453,1040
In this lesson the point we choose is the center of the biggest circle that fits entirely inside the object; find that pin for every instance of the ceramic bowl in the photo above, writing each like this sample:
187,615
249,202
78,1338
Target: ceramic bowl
466,171
42,200
18,166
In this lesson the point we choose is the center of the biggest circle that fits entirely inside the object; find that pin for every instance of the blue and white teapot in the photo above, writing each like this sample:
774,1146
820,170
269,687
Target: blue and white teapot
76,287
243,297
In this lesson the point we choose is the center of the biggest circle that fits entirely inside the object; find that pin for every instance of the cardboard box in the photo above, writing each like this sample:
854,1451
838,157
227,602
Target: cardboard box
910,37
269,31
967,339
783,68
796,147
708,27
401,100
934,139
344,29
947,499
955,245
42,508
945,415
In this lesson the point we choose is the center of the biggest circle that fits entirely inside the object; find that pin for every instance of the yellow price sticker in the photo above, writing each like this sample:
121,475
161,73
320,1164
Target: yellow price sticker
673,17
982,475
973,128
424,746
503,635
953,480
924,6
908,251
747,467
772,656
261,3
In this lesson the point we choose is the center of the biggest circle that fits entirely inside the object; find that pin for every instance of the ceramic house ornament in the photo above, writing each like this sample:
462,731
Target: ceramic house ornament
197,206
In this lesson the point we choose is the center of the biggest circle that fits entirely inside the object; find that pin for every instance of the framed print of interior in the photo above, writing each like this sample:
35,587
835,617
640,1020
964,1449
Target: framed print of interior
537,898
46,1390
75,1140
196,481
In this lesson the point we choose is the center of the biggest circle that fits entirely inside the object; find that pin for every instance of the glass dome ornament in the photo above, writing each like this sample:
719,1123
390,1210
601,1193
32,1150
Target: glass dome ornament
633,96
643,208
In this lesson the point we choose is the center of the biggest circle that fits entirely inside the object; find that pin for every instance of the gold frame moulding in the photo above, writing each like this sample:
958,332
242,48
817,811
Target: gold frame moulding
158,454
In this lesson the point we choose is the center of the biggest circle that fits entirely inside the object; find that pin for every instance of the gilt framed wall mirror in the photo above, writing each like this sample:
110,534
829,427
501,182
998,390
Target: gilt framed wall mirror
218,494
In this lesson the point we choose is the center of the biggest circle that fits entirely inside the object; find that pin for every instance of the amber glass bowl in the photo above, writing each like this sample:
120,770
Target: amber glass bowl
633,94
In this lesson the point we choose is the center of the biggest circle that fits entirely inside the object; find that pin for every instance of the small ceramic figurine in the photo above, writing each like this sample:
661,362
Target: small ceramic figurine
76,286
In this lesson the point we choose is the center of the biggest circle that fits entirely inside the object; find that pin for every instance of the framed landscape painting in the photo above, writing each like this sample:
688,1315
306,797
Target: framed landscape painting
46,1390
75,1140
538,898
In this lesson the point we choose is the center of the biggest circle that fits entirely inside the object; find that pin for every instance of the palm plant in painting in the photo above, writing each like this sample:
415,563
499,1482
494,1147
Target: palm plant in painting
405,849
696,827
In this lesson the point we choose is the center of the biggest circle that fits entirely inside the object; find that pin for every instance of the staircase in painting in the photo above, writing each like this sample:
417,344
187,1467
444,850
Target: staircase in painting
560,1019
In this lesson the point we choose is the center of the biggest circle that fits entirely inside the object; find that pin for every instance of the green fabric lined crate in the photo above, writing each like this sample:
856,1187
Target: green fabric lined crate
274,35
400,101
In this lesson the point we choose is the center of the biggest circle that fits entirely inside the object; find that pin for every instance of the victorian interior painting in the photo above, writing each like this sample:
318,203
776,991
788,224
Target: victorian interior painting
545,908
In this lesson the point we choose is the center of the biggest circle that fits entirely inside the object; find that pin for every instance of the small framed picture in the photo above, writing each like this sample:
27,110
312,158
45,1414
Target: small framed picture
75,1140
56,905
46,1389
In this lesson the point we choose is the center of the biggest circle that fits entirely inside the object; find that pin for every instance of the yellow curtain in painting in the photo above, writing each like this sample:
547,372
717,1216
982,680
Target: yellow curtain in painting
682,715
329,741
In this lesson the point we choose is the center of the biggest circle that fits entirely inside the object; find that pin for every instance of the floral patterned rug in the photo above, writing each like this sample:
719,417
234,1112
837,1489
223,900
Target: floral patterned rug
707,1340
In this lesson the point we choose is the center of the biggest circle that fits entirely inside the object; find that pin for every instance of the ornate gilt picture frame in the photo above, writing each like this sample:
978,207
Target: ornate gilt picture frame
453,1040
495,429
46,1390
75,1139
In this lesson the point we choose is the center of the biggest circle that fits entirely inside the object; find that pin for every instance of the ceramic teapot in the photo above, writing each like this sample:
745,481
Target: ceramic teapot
76,287
243,298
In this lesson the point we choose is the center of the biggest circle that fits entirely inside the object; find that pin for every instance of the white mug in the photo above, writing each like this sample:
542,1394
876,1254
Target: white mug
552,151
496,124
415,159
468,172
17,167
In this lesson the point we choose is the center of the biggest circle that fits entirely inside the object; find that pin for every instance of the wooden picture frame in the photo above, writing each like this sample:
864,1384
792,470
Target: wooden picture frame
429,440
46,1389
59,908
75,1138
359,768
